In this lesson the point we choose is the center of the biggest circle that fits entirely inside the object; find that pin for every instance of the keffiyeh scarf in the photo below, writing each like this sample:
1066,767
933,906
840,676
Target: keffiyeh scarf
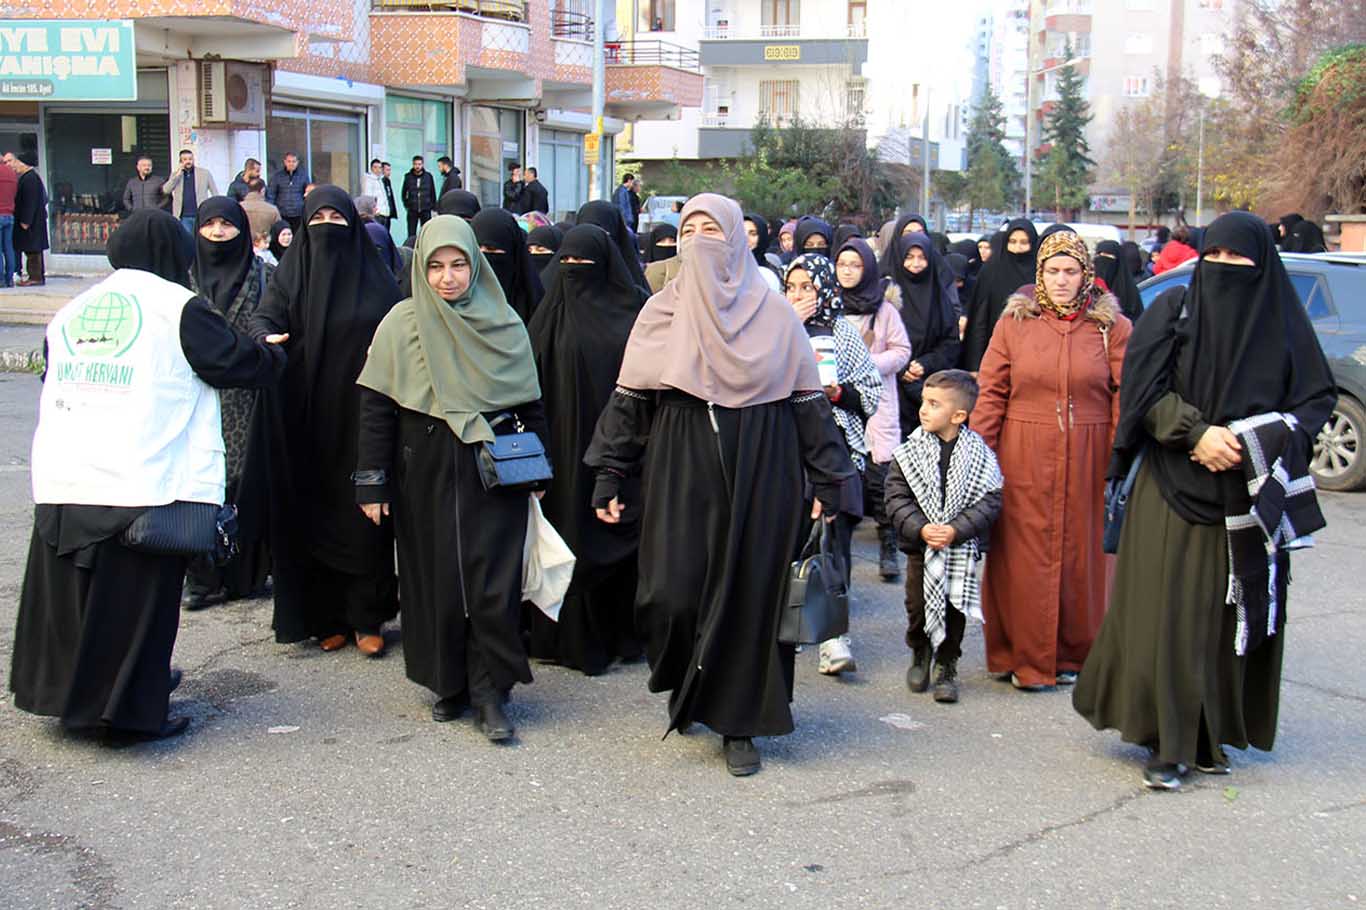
951,573
1280,512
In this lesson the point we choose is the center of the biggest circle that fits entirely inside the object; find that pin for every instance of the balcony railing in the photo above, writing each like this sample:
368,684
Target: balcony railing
722,31
651,53
506,10
716,121
570,24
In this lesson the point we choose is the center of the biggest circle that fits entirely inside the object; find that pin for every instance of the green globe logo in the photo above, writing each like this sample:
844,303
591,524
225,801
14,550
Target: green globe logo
106,326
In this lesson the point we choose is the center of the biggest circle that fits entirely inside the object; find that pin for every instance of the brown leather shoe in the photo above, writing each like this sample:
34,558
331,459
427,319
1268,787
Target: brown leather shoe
370,645
30,283
333,642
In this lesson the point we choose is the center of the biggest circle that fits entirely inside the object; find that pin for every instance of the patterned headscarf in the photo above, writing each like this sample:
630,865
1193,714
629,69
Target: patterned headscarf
1065,243
829,306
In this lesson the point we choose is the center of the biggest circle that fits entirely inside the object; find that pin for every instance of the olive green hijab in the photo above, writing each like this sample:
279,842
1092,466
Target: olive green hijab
458,360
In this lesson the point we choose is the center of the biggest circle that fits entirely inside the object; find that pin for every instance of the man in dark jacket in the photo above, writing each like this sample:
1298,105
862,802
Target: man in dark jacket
514,199
143,190
286,191
450,176
419,195
30,218
241,184
536,197
387,172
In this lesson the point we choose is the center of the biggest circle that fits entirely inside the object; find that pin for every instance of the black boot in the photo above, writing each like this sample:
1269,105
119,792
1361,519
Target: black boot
946,682
918,676
494,724
889,562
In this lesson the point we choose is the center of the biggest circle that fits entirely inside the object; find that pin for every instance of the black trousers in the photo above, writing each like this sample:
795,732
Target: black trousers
35,267
955,623
417,219
874,482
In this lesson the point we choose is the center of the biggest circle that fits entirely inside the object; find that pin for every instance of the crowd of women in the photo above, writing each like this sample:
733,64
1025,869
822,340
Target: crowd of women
704,399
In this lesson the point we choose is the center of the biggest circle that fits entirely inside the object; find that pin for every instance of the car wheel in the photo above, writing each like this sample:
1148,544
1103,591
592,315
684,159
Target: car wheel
1338,461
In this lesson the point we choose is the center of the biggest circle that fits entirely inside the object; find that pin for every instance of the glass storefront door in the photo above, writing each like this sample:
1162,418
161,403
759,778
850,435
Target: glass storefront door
414,126
563,172
496,142
328,143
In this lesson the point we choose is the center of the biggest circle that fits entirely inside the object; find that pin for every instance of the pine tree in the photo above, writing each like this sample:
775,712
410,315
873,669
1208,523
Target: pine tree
1067,168
992,175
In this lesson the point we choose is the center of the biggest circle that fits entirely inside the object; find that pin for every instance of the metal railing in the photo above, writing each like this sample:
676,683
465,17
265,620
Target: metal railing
716,120
651,53
722,31
506,10
571,24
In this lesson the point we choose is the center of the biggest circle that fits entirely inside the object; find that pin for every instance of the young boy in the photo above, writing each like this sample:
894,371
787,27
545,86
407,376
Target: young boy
943,494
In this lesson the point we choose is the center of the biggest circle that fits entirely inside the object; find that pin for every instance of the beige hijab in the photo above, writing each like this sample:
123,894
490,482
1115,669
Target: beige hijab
716,331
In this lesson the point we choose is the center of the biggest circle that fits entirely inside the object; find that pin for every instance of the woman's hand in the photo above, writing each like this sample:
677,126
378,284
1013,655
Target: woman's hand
375,510
1218,449
806,308
612,514
913,372
276,339
817,509
539,494
833,392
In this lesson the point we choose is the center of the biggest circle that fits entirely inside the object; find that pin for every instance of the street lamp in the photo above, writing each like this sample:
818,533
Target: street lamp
1210,94
1031,75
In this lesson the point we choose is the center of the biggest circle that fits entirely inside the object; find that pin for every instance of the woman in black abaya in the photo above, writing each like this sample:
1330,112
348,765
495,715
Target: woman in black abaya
605,215
333,571
579,336
97,620
921,290
281,236
450,368
1010,268
542,243
663,243
503,243
719,410
461,203
1111,268
232,279
812,235
1165,670
1306,237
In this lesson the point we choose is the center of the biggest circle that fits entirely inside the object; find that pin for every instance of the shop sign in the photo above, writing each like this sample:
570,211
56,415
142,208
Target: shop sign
101,156
592,148
783,52
67,60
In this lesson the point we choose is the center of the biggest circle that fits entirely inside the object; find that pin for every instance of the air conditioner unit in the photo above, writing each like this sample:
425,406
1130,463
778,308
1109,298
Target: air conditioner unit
213,95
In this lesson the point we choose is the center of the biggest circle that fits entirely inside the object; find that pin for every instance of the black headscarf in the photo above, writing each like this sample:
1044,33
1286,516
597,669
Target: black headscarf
498,229
147,242
220,267
548,236
654,250
926,307
1306,237
1134,260
1111,268
606,216
866,296
844,233
1288,223
760,248
1003,275
384,244
890,260
458,202
940,241
958,266
1052,229
1237,343
807,226
579,335
276,248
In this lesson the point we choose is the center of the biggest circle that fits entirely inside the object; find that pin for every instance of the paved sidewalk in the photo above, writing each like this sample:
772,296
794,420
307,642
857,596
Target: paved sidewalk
35,306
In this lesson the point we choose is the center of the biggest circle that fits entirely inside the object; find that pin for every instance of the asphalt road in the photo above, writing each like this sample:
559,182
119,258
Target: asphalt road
312,780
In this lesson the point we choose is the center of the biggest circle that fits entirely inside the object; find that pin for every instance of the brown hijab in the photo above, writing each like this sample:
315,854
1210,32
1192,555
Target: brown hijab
716,331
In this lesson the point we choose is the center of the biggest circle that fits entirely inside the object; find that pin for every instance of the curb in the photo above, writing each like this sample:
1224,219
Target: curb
21,361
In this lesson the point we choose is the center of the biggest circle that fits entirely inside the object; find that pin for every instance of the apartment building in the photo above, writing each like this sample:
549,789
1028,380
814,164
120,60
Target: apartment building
774,60
1009,71
488,83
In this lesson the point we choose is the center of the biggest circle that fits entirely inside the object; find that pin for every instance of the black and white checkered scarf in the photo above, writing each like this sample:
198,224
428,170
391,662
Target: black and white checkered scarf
951,573
1280,512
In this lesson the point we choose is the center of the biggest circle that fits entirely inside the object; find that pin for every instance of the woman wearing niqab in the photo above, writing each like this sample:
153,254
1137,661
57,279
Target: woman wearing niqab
333,571
1305,237
812,235
579,336
543,243
605,215
443,375
462,203
228,275
503,243
719,410
923,298
662,244
1114,271
1004,274
1166,670
97,619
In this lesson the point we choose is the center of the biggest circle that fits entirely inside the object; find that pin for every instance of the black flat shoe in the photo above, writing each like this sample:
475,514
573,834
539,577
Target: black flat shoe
742,756
449,708
494,724
175,679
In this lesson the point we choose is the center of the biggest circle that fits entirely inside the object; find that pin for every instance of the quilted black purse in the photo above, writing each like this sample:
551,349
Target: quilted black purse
817,605
515,462
185,529
1117,493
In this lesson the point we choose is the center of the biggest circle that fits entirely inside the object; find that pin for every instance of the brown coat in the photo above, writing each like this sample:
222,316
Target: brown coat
1049,405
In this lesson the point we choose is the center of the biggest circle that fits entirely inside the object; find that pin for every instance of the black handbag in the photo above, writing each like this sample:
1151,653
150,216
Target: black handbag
515,462
817,604
185,529
1117,493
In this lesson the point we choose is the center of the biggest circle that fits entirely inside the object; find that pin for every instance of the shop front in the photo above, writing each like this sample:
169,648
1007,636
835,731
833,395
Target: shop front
415,126
497,141
327,123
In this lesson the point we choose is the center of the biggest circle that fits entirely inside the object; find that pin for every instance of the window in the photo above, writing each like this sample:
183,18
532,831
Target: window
781,17
327,142
854,93
778,99
1136,87
1313,295
858,18
662,15
495,144
415,126
1138,43
562,170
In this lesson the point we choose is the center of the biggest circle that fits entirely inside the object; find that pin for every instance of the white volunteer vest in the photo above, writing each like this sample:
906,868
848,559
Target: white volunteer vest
123,419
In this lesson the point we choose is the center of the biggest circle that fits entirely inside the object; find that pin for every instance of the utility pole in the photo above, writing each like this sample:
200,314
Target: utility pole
601,177
925,160
1200,172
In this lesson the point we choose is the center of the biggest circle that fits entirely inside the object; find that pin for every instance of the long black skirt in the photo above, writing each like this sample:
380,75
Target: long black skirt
596,624
93,644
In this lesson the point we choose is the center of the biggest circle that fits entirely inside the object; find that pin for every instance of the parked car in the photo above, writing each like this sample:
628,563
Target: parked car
1332,287
657,210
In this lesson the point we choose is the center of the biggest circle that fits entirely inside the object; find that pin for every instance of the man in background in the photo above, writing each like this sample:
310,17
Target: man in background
450,176
372,184
513,191
241,184
286,191
30,217
261,215
536,198
387,170
627,202
419,195
143,190
188,187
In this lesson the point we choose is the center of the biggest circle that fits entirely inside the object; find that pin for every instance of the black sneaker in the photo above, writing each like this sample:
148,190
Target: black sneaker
946,682
1160,775
742,756
1216,764
918,676
494,724
449,708
889,562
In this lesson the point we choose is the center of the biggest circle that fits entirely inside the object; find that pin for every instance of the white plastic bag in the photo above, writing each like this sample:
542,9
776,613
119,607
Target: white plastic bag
547,563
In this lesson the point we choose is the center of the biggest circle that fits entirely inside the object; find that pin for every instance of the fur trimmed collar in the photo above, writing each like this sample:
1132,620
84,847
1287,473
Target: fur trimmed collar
1102,311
